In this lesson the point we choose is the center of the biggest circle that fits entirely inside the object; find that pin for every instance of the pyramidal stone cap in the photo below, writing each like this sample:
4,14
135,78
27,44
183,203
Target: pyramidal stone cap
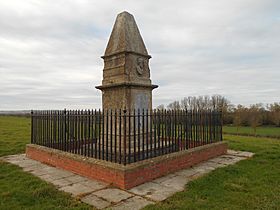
125,37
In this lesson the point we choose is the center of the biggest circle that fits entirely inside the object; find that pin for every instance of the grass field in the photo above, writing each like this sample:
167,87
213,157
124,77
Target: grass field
21,190
261,131
250,184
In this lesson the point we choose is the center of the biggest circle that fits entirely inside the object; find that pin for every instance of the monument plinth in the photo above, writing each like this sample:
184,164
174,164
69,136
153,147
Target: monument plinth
126,80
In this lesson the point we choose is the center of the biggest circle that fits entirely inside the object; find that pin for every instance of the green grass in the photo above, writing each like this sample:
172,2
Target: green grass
261,131
21,190
250,184
14,134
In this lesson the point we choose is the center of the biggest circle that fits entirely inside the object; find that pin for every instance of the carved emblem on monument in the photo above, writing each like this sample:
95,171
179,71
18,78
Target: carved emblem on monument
140,66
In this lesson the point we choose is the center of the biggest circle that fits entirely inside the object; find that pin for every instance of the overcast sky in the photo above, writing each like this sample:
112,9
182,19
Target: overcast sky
50,50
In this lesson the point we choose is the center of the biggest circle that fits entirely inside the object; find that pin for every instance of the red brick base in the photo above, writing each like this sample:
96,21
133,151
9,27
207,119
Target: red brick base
128,176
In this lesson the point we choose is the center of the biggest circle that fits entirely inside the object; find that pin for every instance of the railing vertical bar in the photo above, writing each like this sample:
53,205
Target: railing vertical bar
107,133
125,143
162,131
50,127
73,138
83,134
221,126
32,127
182,146
43,127
95,134
79,131
151,131
65,129
120,134
59,130
185,113
88,140
99,133
38,127
134,136
69,131
164,135
129,135
143,134
147,133
92,136
46,128
138,135
154,119
103,136
111,135
116,128
61,114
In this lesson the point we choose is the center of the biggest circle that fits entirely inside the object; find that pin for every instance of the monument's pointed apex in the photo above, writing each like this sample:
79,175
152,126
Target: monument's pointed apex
125,36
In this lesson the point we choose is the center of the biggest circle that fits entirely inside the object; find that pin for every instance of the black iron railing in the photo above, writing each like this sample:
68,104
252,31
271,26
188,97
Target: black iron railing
123,136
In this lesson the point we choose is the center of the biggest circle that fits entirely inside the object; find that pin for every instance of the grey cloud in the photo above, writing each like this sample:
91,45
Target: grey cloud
50,51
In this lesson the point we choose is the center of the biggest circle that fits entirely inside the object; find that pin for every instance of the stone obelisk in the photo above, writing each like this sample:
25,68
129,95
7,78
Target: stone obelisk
126,80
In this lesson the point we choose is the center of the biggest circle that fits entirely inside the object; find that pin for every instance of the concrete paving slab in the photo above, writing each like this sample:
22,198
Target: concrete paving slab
26,163
76,178
203,169
14,157
49,177
227,156
154,191
113,195
232,152
61,182
232,161
134,203
77,189
213,164
164,178
217,160
186,172
176,182
61,173
96,202
36,166
94,185
38,172
245,154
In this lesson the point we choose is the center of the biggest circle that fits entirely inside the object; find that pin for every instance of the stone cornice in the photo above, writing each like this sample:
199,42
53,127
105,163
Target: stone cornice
125,84
126,52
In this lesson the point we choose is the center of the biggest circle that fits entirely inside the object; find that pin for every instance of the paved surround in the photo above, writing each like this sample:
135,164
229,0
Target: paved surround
130,175
101,195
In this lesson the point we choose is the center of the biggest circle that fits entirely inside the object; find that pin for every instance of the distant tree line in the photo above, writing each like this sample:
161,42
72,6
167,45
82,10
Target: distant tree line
254,115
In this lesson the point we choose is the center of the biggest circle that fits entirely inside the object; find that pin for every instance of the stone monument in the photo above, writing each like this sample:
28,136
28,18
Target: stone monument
126,80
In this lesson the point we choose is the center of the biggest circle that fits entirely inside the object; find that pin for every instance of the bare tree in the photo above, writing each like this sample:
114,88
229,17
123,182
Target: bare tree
175,105
188,102
160,107
274,113
238,116
255,116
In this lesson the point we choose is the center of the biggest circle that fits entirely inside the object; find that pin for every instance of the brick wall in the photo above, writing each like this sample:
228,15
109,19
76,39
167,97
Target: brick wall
130,175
